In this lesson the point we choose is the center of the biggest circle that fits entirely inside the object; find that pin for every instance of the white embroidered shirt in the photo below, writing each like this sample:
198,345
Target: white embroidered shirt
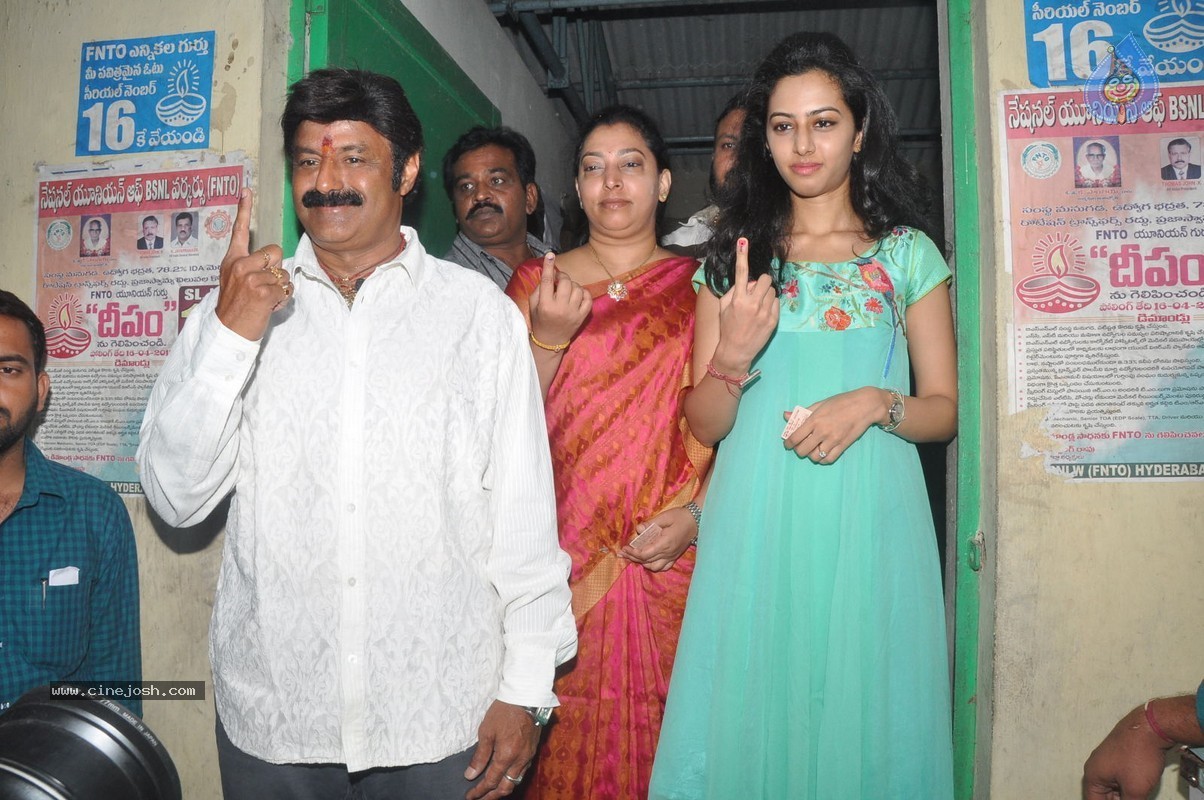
391,563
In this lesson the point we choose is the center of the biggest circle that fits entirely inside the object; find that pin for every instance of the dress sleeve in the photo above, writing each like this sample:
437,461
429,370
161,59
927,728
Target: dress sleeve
926,268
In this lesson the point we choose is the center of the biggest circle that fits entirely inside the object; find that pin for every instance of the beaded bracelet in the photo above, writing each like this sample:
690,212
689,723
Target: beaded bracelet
551,348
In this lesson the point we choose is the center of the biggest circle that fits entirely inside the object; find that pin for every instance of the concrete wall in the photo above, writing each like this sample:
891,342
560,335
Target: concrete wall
39,59
1097,586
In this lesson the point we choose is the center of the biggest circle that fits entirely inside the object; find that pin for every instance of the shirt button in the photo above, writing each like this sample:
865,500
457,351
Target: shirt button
351,508
241,357
351,659
351,581
604,549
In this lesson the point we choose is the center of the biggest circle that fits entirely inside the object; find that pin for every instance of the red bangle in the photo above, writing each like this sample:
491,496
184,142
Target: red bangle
733,381
1153,723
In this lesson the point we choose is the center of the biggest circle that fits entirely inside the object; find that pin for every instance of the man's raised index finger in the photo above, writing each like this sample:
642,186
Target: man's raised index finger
240,236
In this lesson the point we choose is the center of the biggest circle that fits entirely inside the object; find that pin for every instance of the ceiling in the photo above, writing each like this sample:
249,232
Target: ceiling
681,61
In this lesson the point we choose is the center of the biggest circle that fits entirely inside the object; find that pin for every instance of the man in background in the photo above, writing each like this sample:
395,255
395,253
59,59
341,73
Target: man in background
696,231
68,565
489,174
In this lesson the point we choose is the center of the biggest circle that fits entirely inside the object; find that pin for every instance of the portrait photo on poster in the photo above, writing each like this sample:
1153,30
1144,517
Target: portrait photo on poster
94,236
1180,158
183,230
149,238
1096,162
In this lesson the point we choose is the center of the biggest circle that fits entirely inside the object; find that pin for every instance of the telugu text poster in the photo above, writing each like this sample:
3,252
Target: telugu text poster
1105,244
122,257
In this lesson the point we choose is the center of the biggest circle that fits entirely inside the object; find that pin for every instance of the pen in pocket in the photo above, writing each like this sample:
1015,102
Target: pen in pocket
45,581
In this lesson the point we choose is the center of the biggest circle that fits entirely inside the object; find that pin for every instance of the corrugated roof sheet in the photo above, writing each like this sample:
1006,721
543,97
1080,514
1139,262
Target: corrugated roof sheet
669,43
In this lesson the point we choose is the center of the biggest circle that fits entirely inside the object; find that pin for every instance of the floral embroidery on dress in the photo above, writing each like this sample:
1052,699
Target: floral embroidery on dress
859,293
838,319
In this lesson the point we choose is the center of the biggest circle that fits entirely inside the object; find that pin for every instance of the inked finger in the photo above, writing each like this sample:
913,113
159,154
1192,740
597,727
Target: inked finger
741,274
547,272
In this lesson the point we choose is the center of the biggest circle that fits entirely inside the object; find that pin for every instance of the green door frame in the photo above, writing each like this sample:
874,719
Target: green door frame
384,35
967,251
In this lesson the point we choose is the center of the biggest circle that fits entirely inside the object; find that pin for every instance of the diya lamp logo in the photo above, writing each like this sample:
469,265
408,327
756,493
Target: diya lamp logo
182,106
1059,285
1179,28
65,337
1123,85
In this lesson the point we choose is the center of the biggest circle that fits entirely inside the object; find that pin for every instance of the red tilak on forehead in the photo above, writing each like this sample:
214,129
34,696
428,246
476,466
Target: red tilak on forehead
327,143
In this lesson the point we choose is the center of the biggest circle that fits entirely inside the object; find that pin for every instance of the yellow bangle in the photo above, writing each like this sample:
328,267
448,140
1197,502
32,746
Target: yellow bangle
551,348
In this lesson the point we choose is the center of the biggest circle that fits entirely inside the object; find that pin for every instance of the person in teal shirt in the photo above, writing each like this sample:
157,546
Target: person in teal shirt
68,564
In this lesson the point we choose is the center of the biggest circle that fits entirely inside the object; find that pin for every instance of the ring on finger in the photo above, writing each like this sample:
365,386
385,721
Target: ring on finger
279,275
515,781
267,260
288,289
823,453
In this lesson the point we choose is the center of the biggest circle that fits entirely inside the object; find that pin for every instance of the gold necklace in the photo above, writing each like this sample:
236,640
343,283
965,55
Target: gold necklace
616,288
350,285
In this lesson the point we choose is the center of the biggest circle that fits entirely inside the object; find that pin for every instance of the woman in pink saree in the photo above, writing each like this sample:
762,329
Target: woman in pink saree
611,326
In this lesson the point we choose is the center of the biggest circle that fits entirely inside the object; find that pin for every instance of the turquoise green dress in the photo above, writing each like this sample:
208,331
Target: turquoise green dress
813,662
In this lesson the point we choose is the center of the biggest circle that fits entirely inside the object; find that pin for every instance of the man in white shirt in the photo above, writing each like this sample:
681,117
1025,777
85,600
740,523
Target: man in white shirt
695,232
392,601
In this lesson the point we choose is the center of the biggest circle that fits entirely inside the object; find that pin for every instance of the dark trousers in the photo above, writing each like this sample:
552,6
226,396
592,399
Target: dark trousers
245,777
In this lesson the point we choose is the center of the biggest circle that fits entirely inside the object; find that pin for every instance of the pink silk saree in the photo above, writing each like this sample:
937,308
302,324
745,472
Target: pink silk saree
621,453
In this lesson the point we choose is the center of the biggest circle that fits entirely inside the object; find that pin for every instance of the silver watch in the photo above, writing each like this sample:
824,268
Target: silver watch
897,411
541,715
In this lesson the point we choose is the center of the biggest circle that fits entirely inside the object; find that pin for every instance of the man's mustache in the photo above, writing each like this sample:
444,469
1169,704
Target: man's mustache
341,197
481,206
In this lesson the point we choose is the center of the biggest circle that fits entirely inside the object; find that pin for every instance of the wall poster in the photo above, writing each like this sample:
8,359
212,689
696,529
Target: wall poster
123,252
144,95
1104,240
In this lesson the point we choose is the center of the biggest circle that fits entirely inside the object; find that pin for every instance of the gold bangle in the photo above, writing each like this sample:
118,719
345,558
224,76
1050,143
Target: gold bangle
551,348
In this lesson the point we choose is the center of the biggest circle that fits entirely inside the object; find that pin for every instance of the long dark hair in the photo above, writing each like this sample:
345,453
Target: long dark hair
754,201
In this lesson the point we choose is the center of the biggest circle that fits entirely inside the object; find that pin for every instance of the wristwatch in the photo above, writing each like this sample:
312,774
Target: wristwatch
896,412
541,715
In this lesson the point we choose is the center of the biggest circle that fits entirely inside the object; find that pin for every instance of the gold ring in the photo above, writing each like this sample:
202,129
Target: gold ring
278,274
288,289
266,258
515,781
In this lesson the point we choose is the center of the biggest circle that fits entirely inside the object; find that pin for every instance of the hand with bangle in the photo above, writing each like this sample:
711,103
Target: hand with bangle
558,308
748,316
1130,760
